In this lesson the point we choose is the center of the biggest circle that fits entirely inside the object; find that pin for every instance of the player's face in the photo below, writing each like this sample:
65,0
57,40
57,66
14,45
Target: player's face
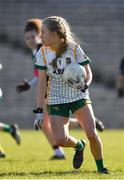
32,39
48,38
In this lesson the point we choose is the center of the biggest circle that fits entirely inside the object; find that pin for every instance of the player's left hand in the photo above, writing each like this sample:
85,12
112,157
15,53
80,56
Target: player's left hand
38,118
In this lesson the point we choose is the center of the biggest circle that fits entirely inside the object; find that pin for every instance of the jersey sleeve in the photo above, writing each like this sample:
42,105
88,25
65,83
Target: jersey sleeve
40,63
35,72
81,57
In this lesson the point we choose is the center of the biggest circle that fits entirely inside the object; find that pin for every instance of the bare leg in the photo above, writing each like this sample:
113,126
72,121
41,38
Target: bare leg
86,118
60,129
46,127
48,131
73,123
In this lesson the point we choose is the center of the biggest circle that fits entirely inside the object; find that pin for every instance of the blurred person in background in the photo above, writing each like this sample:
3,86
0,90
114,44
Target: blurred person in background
120,80
8,128
33,42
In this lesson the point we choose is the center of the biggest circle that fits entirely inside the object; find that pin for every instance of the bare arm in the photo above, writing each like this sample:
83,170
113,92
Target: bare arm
89,74
41,89
33,81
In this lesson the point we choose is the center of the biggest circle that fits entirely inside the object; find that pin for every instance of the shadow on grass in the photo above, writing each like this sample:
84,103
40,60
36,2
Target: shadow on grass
46,173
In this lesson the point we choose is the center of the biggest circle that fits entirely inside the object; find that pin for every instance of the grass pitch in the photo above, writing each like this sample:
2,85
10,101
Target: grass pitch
31,159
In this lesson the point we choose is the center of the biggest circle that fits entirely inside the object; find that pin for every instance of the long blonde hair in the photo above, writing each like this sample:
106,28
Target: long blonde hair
61,26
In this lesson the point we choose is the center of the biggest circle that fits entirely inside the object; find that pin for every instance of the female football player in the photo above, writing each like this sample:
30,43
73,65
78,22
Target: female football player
26,85
57,52
33,42
8,128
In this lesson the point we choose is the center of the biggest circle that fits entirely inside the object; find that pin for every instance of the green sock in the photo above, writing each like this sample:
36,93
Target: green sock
79,146
7,128
99,164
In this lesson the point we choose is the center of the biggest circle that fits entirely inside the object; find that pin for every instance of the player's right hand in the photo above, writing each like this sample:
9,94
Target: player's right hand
23,86
38,118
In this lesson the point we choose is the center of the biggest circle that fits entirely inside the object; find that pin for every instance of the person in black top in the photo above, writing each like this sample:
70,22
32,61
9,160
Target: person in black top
120,80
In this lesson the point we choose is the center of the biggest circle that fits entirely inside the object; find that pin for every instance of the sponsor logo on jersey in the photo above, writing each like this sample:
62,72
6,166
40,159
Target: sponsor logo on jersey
68,60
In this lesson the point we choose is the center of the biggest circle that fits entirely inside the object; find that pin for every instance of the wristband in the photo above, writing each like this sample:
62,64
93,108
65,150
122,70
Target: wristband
38,110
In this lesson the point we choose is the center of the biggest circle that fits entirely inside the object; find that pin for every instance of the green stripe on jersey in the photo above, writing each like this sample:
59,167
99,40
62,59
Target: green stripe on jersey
85,62
40,67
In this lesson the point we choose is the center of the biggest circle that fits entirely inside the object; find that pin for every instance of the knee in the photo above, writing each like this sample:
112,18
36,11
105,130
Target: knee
61,141
92,136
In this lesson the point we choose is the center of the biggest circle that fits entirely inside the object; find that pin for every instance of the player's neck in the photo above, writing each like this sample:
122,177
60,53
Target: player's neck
55,46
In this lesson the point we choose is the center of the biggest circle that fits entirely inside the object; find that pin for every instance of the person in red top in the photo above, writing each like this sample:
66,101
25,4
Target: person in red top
33,42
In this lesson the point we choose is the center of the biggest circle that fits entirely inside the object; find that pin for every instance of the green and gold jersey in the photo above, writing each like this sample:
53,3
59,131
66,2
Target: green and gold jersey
58,91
